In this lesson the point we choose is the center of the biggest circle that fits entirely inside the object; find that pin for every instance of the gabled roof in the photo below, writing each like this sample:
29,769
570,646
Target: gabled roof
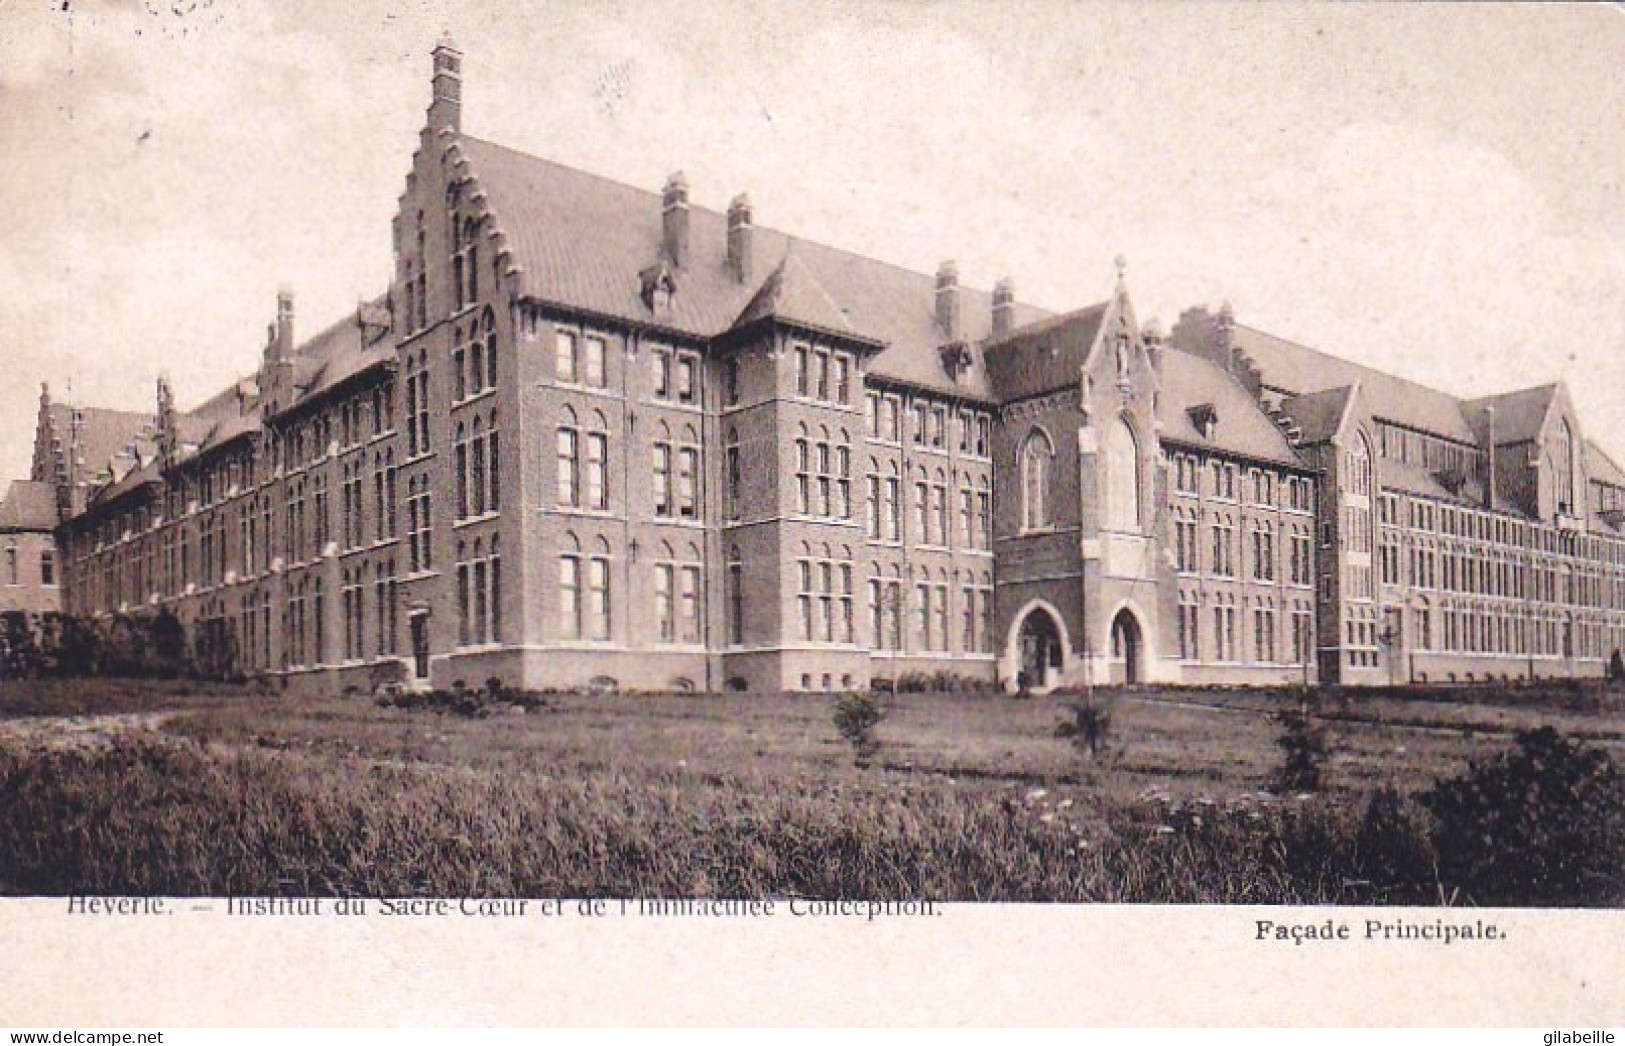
1519,416
1601,467
1319,415
581,242
1242,429
103,433
28,505
793,294
1044,355
1295,369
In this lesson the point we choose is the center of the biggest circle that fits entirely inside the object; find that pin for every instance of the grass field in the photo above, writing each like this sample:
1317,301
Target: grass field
185,788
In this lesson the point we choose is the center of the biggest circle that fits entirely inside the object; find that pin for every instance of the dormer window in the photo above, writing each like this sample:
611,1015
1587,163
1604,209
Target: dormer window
1206,419
956,359
657,287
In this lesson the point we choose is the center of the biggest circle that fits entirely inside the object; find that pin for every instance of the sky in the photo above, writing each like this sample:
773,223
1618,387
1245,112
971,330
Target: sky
1431,190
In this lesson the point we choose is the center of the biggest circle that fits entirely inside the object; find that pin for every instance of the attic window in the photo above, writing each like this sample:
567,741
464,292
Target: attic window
1206,419
657,287
956,359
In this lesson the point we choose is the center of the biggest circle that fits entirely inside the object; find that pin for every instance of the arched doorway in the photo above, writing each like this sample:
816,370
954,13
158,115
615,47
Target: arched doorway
1127,649
1040,642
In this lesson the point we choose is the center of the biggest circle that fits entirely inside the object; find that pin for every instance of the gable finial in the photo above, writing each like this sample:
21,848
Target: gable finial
1122,273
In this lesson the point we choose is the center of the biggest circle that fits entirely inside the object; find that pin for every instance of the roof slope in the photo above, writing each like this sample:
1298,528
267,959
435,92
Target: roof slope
1242,429
1519,415
103,434
28,505
1044,355
1318,415
582,240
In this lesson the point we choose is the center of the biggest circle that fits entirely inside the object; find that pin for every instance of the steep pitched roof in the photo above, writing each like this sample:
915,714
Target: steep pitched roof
1043,355
793,294
1519,415
1599,466
581,241
28,505
1242,429
1297,369
1318,415
103,433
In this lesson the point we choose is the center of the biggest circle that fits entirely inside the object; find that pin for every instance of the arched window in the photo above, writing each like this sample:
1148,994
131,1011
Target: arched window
1037,453
1565,470
1122,478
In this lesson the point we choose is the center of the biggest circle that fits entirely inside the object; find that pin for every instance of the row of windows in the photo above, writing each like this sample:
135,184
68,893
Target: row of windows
1223,641
47,566
1226,482
972,433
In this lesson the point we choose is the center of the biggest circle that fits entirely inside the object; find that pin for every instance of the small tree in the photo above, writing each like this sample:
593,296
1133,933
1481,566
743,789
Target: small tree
856,716
1616,669
1304,751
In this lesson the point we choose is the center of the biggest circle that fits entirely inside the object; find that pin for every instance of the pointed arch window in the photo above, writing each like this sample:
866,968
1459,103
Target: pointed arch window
1123,491
1037,456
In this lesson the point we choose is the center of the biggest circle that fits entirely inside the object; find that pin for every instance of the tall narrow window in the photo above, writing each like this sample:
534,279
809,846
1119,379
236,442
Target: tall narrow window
1122,478
597,470
1036,455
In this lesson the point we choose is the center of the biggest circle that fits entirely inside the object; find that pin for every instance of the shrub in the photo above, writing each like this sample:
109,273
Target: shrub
1394,849
1542,823
856,716
1304,751
1616,668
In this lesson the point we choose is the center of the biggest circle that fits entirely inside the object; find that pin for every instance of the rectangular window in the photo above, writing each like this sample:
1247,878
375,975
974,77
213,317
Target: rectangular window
598,605
665,616
662,479
688,490
569,480
597,373
687,379
597,471
565,364
689,608
662,367
803,369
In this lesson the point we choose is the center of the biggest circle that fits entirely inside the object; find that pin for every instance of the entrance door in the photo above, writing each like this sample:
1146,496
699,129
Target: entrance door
420,646
1040,650
1126,649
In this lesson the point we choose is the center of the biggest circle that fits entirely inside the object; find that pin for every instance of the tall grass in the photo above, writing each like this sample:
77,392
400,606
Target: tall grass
180,819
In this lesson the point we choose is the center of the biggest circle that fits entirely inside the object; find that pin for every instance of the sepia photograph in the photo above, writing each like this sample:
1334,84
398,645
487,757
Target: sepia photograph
830,463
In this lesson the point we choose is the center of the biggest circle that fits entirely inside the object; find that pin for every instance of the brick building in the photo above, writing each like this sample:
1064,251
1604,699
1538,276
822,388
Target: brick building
594,435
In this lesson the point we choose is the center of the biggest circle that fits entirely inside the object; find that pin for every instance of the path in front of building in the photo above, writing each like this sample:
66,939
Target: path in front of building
80,732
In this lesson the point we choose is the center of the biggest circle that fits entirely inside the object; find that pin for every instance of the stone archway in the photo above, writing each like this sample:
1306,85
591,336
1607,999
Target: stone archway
1127,649
1039,650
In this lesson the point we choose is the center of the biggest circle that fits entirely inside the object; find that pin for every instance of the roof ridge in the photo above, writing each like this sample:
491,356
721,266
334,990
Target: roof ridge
791,239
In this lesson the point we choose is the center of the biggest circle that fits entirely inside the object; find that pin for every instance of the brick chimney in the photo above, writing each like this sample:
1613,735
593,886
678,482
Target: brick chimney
948,298
739,225
284,323
674,219
1004,307
446,111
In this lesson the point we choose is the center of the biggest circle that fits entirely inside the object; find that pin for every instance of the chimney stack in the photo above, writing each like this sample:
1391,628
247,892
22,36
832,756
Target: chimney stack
739,223
284,323
1489,463
446,111
674,219
1004,307
948,299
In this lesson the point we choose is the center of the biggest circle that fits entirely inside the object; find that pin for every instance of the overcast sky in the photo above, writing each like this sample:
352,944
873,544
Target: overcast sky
1431,190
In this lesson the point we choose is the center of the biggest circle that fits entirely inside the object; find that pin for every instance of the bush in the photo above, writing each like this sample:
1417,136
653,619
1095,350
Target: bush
856,716
1304,752
1542,823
